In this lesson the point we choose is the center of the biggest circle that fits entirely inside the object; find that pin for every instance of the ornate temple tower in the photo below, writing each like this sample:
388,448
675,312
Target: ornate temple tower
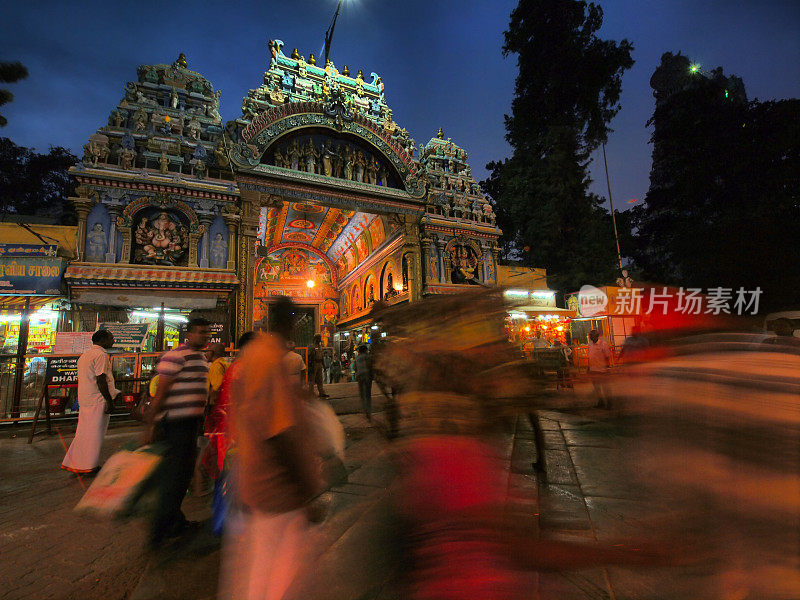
157,203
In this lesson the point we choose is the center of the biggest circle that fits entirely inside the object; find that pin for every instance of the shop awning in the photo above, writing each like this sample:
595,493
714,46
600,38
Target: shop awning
358,321
146,298
61,235
84,275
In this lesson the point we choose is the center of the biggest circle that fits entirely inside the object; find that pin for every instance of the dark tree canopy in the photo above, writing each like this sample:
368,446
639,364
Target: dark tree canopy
10,72
723,208
36,184
567,91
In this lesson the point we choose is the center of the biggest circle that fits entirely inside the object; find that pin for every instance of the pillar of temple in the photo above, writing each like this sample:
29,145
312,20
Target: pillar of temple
111,255
83,206
231,217
250,209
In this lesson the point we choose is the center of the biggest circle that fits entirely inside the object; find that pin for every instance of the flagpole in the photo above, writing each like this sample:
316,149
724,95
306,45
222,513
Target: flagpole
329,34
611,204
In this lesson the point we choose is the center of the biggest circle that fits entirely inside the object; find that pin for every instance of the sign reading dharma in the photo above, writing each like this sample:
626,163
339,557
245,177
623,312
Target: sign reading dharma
127,335
62,370
31,276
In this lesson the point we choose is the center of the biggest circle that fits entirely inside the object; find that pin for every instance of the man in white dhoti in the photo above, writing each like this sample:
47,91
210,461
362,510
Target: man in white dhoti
96,393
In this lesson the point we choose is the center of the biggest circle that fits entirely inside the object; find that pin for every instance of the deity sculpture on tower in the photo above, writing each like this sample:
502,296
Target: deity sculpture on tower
294,154
219,252
160,241
96,244
310,155
464,263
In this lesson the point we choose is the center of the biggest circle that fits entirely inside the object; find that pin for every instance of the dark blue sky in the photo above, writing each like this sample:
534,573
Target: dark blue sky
440,61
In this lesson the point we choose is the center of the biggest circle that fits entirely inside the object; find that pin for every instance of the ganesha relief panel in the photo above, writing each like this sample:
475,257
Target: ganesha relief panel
160,237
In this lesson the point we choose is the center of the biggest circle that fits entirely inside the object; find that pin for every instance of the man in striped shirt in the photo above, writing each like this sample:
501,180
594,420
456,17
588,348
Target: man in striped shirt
176,413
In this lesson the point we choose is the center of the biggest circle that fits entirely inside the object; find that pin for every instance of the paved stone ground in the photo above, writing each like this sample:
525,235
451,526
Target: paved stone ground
50,553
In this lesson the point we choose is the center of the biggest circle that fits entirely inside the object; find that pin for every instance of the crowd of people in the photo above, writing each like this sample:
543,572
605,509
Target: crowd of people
260,403
452,381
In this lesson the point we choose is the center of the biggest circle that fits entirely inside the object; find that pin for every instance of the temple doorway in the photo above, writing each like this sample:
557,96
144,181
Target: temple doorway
304,326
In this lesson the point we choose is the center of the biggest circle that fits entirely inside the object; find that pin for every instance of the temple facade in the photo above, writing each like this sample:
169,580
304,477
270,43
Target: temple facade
314,192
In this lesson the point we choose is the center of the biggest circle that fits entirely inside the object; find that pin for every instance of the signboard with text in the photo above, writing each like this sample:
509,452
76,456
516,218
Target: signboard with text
73,342
31,276
127,335
28,250
62,370
219,334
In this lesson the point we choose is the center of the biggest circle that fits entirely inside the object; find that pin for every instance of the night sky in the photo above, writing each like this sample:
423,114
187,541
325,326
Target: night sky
439,59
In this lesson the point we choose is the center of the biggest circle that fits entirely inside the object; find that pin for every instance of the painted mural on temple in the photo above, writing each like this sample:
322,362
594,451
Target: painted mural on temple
286,271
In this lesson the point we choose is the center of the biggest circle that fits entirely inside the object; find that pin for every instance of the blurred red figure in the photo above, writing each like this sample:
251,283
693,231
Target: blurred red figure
456,379
450,491
216,425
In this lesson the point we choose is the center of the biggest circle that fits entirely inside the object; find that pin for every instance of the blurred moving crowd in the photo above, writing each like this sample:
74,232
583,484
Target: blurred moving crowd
714,413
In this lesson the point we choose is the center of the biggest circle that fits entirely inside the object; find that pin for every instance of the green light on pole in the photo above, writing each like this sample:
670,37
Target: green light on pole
694,68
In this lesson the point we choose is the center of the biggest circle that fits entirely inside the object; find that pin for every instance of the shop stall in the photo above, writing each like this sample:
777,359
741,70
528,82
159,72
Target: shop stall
533,315
605,310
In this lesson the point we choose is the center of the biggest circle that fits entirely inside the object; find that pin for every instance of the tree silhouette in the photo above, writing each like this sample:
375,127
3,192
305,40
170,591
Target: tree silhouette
36,184
566,93
10,72
723,208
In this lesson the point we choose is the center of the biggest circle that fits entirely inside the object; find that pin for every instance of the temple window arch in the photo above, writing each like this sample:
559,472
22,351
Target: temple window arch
389,283
323,151
371,295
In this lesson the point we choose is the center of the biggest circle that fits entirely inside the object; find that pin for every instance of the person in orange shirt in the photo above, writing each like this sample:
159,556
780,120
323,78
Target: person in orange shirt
277,474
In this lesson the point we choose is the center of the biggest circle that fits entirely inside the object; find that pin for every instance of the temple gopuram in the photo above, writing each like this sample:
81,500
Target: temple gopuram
314,192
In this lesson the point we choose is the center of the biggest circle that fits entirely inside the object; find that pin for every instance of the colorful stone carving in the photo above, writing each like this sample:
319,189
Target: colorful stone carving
96,244
160,240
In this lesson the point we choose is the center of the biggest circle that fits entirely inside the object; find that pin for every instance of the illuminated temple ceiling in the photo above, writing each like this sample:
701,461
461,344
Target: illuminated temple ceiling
333,231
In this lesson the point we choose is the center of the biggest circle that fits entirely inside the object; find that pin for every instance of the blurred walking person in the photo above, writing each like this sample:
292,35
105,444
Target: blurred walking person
96,394
295,365
315,365
326,365
216,425
277,474
635,347
176,415
599,367
364,377
336,370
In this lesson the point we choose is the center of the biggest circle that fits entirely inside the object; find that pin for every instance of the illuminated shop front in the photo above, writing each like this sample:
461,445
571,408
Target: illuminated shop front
42,328
533,314
600,309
